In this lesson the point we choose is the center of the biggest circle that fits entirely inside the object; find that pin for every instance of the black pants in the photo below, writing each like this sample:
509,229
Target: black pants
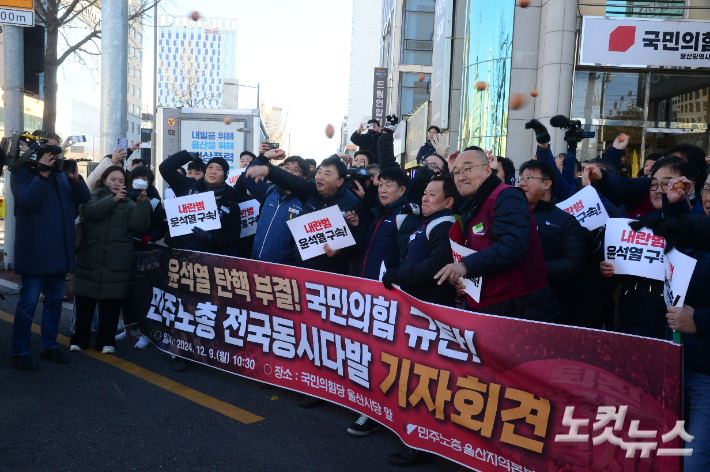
108,322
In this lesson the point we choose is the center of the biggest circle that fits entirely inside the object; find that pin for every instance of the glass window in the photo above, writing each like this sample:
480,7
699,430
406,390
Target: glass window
608,95
138,73
678,98
138,93
417,44
140,38
412,93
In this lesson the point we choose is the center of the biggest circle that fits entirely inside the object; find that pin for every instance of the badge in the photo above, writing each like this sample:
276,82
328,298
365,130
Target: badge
478,228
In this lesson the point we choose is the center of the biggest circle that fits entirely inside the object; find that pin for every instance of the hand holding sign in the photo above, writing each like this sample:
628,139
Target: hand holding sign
320,232
631,252
587,208
680,318
192,211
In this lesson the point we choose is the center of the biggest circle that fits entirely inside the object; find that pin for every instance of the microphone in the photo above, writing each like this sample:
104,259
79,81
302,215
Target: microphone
559,121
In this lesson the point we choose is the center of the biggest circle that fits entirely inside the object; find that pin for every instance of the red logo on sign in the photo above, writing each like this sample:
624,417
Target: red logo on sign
622,38
172,121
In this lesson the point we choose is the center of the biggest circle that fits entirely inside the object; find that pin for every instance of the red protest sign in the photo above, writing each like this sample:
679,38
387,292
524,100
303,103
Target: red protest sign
488,392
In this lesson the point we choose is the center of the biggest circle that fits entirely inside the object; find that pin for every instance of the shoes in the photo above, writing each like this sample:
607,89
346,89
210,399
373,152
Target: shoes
409,457
54,355
143,342
310,402
23,363
122,337
179,364
108,350
74,347
364,426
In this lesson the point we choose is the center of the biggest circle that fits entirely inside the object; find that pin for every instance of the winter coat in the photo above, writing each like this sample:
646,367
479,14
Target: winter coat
158,223
307,192
381,241
228,209
425,151
105,258
44,221
367,142
427,250
273,241
93,180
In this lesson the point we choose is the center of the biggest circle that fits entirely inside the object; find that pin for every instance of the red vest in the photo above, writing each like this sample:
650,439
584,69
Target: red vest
528,276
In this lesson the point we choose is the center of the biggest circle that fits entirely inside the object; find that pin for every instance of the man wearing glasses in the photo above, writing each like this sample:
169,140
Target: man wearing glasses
497,223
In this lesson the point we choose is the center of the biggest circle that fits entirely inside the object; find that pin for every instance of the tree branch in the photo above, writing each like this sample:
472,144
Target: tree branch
68,11
63,21
68,52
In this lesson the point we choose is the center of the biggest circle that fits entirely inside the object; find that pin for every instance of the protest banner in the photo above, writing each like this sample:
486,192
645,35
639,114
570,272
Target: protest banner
312,230
679,271
587,207
491,393
473,285
197,210
249,213
632,252
234,175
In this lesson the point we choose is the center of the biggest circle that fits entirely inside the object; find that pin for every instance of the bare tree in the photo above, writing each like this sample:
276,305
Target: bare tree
277,126
59,17
185,86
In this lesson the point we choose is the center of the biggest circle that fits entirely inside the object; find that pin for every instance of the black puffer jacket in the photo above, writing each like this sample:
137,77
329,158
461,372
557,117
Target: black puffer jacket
307,192
562,240
367,142
222,239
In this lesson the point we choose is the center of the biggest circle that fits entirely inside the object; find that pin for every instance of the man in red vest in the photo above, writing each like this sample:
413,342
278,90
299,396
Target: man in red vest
497,223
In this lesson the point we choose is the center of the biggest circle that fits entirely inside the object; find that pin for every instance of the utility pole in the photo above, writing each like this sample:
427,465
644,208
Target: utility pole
13,49
153,135
114,73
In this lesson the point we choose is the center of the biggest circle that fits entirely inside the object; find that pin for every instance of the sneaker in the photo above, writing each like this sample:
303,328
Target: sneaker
179,364
54,355
143,342
122,336
23,363
364,426
108,350
74,347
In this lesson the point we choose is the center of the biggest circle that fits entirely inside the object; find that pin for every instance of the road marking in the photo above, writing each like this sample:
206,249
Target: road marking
188,393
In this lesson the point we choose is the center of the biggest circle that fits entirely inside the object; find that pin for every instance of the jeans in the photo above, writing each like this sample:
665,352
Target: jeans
25,311
697,405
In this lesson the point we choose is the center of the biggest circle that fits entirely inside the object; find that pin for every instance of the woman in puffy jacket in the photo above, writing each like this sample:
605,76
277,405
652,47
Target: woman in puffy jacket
105,257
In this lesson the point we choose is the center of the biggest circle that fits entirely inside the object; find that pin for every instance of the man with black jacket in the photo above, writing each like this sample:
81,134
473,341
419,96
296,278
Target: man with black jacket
368,141
325,191
217,241
563,239
497,224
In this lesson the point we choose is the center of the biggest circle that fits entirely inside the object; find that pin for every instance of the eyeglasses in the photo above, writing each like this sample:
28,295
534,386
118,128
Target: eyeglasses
465,170
705,192
528,178
431,165
663,185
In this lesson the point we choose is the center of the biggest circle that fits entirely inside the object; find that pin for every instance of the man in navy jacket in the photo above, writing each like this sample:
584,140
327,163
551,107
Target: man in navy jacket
44,253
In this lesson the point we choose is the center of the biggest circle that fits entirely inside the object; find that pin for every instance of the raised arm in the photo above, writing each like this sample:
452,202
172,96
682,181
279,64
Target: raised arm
168,169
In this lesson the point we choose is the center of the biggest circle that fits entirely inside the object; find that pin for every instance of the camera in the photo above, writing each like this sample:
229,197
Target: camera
133,193
25,150
273,145
359,174
574,133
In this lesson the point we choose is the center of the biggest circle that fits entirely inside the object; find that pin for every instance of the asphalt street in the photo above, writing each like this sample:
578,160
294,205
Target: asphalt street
131,412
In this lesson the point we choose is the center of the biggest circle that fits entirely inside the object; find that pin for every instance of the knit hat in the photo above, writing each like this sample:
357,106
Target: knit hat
222,162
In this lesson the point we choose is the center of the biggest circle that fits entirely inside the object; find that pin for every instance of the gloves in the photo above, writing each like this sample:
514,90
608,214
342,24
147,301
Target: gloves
390,124
541,134
201,234
195,157
424,174
146,239
389,278
675,231
410,209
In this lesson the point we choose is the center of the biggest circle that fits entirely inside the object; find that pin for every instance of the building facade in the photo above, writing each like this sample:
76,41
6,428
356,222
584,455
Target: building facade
194,59
364,57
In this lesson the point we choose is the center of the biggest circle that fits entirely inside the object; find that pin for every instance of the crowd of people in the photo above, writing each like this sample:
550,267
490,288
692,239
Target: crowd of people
537,262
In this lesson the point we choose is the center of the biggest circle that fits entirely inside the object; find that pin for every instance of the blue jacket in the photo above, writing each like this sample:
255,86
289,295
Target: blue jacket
381,241
273,241
44,212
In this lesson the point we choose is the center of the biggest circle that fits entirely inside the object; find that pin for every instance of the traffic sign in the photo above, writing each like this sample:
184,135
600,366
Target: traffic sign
15,17
18,4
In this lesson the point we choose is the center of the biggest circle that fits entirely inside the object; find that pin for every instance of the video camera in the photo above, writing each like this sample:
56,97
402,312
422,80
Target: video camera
359,174
574,133
25,150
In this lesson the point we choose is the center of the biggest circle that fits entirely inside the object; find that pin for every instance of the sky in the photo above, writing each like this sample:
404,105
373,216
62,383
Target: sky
299,54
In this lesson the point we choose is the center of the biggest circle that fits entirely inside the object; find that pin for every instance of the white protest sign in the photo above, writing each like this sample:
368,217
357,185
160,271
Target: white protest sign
634,252
383,269
586,206
234,175
312,230
249,212
679,270
472,286
197,210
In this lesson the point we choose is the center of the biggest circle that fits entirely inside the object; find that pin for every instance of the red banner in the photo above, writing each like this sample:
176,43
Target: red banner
490,393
